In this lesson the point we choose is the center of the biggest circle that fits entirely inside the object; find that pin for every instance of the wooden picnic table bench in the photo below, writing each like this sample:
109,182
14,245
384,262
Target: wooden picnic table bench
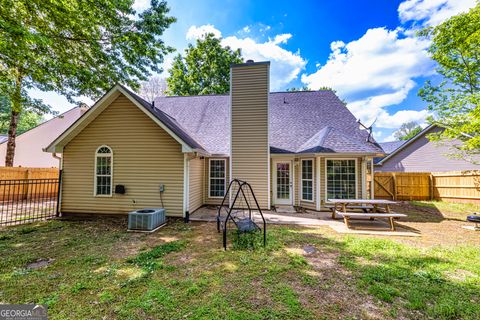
364,207
390,215
379,205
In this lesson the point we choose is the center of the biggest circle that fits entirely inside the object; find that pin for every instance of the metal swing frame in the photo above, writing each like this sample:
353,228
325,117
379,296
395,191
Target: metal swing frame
243,225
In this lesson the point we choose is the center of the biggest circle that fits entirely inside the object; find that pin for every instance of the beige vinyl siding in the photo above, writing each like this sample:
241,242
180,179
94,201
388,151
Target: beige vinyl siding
249,145
195,184
144,156
207,199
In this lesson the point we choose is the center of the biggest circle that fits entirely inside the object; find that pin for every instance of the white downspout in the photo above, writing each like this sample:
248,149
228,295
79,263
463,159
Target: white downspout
185,183
60,164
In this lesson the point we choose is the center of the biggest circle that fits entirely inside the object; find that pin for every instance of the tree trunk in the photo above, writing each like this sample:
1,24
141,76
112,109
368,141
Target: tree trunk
12,130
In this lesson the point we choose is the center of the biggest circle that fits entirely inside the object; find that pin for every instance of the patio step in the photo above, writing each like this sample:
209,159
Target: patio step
285,209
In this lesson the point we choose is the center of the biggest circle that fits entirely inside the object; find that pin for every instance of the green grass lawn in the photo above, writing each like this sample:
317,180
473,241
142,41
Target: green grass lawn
97,270
450,210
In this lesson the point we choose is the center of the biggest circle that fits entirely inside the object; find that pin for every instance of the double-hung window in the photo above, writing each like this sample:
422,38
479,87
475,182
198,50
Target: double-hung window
307,180
103,171
217,178
341,178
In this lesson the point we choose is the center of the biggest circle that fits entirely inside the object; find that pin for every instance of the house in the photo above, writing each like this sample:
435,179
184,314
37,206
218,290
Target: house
388,147
419,154
294,148
29,145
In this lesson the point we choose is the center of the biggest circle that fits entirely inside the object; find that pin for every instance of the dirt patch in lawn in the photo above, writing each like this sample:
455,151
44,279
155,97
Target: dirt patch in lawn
435,227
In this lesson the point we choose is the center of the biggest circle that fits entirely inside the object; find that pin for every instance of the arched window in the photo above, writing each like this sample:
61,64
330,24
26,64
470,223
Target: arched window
103,171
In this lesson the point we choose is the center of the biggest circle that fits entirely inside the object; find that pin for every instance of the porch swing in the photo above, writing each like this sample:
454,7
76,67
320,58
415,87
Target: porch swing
240,211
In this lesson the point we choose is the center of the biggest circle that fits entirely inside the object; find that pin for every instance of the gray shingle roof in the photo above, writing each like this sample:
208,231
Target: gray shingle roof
391,146
300,122
388,147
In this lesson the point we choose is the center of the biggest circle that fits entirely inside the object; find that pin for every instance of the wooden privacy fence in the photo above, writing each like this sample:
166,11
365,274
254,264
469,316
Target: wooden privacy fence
460,186
47,182
28,194
15,173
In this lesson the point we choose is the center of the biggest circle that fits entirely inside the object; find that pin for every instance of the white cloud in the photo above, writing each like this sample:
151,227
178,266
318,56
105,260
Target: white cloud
380,59
377,135
374,72
379,69
285,65
246,29
282,38
432,12
140,5
195,32
390,138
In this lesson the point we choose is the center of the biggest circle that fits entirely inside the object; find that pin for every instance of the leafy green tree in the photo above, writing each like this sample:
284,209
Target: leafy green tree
76,48
205,68
28,119
407,131
456,100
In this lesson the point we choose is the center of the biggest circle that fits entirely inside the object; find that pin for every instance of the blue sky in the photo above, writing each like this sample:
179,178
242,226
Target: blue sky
366,50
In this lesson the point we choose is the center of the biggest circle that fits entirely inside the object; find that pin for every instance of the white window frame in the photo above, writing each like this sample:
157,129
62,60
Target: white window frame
326,176
313,179
95,171
210,177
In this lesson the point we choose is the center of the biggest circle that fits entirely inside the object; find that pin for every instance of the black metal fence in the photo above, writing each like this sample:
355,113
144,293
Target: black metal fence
27,200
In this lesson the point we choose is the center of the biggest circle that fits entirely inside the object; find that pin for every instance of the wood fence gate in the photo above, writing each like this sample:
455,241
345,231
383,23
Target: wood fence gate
403,185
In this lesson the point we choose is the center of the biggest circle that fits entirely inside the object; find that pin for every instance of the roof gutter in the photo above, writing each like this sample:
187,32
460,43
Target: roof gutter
331,154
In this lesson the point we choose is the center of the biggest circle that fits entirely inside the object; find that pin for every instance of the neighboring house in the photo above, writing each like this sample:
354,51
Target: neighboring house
294,148
419,154
29,145
389,147
3,138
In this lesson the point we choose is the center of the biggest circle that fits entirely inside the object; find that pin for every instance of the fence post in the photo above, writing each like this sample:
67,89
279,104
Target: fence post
432,192
25,184
394,176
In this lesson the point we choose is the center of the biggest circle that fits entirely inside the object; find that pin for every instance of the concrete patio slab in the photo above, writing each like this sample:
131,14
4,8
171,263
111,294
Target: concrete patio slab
314,218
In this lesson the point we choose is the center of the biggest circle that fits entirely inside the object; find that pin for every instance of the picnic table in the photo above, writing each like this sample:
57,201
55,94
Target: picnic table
379,209
377,205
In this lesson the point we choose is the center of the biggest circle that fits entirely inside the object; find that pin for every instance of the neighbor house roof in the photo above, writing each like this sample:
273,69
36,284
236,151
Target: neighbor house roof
403,145
389,147
300,122
28,150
